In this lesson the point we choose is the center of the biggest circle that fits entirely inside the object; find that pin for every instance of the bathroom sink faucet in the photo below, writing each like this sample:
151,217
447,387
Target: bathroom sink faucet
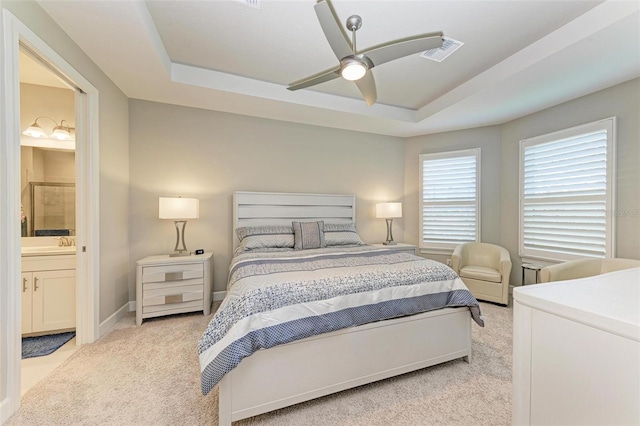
65,242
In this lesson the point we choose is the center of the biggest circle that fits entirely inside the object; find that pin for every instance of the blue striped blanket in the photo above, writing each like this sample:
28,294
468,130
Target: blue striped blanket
275,298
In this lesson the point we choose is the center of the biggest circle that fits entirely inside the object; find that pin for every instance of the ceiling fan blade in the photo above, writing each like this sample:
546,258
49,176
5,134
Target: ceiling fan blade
315,79
367,86
333,30
386,52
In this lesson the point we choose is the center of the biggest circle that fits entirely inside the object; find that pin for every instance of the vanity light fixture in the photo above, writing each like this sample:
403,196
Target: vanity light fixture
389,211
61,132
179,209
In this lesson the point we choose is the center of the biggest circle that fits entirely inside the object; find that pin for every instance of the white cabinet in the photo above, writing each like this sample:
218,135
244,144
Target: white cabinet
48,285
576,346
170,285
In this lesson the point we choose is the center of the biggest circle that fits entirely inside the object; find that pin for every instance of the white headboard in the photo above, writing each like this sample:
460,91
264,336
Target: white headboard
273,208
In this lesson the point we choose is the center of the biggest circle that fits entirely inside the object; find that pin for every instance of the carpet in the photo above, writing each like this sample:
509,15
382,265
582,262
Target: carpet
44,345
149,375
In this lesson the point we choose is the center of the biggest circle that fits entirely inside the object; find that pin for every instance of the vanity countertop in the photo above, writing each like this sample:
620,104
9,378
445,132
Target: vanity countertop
48,251
46,246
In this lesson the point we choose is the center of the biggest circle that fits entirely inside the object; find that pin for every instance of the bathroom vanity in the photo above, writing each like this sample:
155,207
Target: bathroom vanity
48,286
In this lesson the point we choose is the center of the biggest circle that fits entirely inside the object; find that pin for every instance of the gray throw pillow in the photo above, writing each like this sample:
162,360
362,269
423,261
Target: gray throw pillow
308,235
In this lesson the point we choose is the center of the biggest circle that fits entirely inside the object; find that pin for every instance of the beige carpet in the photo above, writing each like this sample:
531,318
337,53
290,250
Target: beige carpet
149,375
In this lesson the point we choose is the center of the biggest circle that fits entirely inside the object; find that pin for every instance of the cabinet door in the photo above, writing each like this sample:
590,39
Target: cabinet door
54,300
26,286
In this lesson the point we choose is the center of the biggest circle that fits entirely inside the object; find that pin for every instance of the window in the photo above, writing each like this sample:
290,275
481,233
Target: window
450,199
567,193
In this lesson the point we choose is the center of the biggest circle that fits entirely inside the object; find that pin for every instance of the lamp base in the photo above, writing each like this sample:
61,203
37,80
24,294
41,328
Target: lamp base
390,243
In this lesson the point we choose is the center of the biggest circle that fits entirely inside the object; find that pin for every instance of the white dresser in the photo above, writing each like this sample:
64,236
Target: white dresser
171,285
576,351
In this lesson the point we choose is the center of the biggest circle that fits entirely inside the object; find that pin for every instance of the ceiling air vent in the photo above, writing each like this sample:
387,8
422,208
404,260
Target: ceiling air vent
253,3
449,46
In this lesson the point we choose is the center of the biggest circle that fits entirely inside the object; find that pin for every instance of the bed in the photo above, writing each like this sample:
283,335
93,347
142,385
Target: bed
261,364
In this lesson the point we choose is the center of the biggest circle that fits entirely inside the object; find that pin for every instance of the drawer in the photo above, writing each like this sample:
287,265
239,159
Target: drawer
172,291
171,299
151,274
196,305
172,284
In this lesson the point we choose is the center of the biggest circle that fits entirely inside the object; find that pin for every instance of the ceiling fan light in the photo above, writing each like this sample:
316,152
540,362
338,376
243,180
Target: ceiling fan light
35,131
353,70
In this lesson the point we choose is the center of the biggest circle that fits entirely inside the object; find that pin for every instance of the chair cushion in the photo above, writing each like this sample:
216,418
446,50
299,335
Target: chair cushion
480,273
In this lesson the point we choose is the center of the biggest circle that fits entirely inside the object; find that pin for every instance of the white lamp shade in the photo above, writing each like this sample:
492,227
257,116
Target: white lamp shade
179,208
61,134
388,210
35,131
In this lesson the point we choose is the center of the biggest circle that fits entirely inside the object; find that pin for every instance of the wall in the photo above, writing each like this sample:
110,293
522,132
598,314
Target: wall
621,101
208,155
113,154
500,161
485,138
38,164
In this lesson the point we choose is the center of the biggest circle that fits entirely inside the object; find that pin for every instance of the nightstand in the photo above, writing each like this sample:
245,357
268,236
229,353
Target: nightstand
171,285
399,247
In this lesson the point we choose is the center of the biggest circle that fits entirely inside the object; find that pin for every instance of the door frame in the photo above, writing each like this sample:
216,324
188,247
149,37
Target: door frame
87,206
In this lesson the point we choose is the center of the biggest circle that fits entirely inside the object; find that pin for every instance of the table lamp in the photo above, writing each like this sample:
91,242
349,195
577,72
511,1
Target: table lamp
179,209
389,211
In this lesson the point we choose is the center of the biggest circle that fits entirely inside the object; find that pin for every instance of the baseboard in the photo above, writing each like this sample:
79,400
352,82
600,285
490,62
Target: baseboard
219,295
106,325
5,414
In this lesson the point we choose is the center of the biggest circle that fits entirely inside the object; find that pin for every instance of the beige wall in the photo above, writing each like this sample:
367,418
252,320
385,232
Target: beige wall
208,155
113,156
500,161
41,165
621,101
485,138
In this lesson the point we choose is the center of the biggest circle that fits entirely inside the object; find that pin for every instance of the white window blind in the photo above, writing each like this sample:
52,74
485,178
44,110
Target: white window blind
566,193
450,199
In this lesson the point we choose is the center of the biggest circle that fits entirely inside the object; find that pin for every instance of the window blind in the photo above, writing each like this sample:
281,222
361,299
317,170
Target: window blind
565,193
450,199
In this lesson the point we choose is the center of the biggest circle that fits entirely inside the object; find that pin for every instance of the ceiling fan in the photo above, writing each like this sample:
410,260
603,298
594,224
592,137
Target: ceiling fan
356,65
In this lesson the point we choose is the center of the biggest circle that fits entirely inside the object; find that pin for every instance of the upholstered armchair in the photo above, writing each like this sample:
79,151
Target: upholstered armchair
585,268
485,270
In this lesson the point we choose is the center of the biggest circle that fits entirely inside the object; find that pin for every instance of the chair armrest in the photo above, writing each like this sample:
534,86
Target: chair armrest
505,265
456,259
569,271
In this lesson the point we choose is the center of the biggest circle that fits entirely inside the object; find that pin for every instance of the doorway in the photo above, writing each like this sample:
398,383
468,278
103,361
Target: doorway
48,220
17,35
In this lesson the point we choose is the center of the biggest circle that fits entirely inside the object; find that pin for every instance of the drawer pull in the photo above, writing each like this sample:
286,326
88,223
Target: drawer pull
24,285
173,299
173,276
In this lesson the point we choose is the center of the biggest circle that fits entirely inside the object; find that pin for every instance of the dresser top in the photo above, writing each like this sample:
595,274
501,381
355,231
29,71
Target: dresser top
609,301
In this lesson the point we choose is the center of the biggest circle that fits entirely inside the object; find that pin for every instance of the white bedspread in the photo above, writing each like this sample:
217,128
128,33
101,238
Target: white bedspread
278,297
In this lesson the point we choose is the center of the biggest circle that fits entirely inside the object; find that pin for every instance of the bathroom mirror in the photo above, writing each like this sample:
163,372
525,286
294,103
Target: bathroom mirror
48,192
53,211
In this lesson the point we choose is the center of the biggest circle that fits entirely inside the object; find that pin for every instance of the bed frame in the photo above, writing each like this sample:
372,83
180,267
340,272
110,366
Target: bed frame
310,368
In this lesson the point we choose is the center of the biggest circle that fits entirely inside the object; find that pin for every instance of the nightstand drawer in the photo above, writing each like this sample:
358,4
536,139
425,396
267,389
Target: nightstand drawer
196,305
153,274
172,284
172,296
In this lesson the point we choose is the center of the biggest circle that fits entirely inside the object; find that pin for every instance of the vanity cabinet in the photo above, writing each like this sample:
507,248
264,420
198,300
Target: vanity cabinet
48,286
